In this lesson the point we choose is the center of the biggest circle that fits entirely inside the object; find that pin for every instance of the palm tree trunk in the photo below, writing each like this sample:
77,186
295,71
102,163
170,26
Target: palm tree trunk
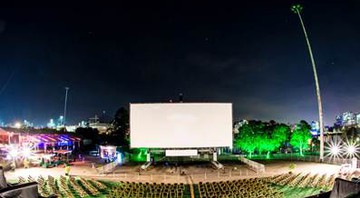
321,125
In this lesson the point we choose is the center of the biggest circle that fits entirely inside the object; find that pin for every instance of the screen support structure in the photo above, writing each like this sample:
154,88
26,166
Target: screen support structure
148,160
148,156
214,161
215,156
216,164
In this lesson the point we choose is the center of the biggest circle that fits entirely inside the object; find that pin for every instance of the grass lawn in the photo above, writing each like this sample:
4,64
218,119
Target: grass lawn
297,192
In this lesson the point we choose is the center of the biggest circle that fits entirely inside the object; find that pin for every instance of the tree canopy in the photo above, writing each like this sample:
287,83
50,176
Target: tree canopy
120,128
300,136
258,136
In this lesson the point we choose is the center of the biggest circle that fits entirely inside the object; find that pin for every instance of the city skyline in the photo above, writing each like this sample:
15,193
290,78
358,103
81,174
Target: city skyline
250,54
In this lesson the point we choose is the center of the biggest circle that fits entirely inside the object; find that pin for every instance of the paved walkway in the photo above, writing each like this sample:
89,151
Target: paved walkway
191,184
164,174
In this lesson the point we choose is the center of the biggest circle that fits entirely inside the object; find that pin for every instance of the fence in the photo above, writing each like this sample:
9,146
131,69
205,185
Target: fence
315,158
253,165
107,168
177,178
257,170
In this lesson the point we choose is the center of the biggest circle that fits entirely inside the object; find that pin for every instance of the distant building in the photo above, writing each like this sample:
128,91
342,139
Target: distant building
101,125
51,124
28,124
338,121
347,119
357,118
239,124
315,128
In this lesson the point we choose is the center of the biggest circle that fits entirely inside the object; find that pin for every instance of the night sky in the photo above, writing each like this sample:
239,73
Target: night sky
251,54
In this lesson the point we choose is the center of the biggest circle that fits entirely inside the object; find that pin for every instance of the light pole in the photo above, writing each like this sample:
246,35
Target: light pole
297,10
65,105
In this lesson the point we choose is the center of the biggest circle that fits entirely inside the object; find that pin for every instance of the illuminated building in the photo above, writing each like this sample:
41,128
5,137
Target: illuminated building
100,125
315,129
40,141
347,119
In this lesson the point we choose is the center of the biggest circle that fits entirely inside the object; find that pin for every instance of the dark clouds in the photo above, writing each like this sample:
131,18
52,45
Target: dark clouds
250,54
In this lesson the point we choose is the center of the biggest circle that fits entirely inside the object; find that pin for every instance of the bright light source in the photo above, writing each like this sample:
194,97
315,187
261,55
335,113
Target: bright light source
351,149
13,152
26,152
17,125
335,150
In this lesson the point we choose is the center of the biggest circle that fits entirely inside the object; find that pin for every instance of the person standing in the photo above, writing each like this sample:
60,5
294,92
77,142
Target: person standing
67,169
13,165
26,163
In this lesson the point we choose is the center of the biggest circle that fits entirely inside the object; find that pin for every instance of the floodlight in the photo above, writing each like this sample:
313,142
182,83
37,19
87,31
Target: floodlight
335,150
17,125
26,152
13,152
351,148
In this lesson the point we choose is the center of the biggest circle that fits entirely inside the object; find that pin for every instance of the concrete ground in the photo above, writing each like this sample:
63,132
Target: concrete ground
201,171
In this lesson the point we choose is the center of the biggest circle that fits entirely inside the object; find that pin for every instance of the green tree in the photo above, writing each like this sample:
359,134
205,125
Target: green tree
261,137
245,140
120,128
280,134
266,143
261,143
88,133
272,136
90,137
300,136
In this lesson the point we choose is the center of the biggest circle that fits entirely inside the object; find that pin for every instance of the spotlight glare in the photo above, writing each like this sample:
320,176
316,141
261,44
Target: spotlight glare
26,152
13,153
352,149
17,125
334,150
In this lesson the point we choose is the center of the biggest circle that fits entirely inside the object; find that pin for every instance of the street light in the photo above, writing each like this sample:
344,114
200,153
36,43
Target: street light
297,10
65,104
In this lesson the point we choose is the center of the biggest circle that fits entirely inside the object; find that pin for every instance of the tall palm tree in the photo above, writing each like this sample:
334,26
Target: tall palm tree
297,10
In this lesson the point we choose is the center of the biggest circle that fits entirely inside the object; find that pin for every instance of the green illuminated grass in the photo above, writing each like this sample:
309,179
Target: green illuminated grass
297,192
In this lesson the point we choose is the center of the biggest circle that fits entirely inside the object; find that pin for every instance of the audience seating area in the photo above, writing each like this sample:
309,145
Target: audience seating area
20,190
303,180
148,190
71,187
254,187
67,187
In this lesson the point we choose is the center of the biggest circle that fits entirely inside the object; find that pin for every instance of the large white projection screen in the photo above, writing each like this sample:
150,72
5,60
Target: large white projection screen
181,125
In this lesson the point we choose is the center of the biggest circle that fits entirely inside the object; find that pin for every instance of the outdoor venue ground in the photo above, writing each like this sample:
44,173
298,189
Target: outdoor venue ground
198,171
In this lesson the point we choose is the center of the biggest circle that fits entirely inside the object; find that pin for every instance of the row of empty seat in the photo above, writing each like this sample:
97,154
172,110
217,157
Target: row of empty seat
148,190
254,187
67,187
